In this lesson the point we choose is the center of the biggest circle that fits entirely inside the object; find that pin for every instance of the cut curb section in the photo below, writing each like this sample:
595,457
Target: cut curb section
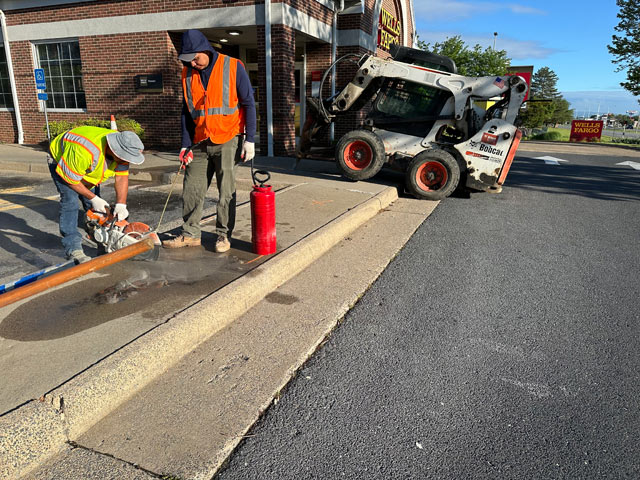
38,430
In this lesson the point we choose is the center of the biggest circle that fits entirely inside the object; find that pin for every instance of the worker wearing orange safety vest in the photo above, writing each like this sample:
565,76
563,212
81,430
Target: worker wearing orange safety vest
219,123
79,161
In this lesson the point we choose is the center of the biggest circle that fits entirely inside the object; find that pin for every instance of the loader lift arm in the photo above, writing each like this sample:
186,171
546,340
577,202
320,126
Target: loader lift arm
460,87
417,108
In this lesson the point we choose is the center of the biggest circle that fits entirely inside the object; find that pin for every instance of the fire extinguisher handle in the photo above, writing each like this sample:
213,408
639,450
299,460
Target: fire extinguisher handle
256,180
255,173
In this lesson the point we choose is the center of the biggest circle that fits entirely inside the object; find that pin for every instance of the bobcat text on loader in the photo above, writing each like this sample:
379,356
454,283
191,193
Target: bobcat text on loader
423,119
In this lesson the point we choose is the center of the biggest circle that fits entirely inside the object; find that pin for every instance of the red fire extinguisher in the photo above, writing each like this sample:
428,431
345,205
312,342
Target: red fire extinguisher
263,214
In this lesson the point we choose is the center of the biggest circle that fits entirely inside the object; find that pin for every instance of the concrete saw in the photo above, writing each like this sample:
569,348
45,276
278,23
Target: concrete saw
111,234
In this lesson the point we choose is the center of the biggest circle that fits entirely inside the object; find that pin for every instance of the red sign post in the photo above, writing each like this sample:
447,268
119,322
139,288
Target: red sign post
586,130
525,72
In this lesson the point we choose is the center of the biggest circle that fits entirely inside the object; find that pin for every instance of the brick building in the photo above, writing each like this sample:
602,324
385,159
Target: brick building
104,57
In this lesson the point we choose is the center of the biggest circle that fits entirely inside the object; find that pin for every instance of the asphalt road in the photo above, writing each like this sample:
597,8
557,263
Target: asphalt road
502,342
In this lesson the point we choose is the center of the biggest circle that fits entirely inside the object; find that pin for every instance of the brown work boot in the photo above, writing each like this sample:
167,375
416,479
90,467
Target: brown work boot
181,241
222,244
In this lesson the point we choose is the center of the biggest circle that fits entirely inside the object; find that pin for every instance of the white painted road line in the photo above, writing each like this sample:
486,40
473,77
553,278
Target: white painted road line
634,165
550,160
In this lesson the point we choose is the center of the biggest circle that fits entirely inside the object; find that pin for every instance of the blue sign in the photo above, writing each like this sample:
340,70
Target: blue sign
40,81
42,96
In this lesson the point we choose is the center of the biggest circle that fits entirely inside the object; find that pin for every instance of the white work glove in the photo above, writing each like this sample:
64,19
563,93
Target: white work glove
99,205
120,211
248,151
186,159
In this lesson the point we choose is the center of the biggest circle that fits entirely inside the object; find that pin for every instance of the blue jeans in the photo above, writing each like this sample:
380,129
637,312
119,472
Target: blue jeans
71,237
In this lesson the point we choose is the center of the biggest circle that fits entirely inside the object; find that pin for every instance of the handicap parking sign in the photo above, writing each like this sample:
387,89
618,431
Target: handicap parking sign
40,81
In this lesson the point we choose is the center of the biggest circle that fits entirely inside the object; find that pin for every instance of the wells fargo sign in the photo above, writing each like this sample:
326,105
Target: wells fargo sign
389,30
585,130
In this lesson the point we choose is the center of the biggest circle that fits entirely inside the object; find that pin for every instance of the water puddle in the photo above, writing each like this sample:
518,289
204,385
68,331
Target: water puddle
281,298
150,291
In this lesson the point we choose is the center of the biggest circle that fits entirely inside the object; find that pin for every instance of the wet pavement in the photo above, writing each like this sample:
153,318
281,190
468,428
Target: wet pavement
52,337
123,290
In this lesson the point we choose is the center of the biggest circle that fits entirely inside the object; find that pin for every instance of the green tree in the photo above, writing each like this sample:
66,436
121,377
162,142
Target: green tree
561,111
537,114
626,47
545,105
471,62
543,85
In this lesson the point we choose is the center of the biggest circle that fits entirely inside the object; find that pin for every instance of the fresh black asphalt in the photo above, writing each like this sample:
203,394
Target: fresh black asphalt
501,343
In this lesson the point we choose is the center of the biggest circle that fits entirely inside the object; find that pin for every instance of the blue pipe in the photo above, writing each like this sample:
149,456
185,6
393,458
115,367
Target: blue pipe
32,277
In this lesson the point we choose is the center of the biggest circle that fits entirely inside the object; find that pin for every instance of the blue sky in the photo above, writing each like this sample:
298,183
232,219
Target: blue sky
568,36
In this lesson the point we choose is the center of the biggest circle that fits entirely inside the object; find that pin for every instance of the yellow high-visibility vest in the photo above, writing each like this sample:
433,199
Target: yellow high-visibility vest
80,156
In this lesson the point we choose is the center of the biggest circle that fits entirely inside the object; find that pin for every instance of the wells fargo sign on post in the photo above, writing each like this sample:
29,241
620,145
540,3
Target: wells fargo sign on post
389,30
586,130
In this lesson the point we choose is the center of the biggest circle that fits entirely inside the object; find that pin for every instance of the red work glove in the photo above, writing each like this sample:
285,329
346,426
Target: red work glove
186,159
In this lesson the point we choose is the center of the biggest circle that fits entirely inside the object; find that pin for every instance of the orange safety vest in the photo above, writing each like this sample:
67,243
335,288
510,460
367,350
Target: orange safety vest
216,114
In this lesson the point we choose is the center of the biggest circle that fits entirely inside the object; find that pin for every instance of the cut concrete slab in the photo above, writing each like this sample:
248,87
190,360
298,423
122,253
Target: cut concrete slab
186,422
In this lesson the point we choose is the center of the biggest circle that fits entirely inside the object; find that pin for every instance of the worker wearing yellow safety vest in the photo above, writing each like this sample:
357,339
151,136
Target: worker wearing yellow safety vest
219,117
81,159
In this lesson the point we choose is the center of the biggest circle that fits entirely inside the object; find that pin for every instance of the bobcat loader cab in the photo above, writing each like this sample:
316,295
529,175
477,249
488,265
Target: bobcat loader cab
423,119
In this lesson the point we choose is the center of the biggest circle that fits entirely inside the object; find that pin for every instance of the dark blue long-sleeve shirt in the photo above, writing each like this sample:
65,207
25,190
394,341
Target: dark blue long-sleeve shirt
194,41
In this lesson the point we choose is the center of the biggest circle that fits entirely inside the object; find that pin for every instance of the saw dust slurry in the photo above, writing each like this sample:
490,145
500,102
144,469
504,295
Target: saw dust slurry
146,292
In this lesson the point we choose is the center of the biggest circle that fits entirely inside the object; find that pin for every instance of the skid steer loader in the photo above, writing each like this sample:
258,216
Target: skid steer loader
424,120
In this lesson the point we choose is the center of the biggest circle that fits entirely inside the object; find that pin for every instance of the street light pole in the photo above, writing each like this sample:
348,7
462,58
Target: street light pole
495,34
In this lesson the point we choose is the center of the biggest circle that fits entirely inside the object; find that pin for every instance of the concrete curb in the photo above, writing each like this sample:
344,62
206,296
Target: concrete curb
38,430
25,167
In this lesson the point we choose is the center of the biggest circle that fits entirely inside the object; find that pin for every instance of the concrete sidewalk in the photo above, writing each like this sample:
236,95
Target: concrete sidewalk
86,374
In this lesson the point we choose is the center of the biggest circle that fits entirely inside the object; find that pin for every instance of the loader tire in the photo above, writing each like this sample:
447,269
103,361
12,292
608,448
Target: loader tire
360,154
433,175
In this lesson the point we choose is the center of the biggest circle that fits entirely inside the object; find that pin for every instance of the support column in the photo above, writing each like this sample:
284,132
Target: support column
262,91
318,57
283,84
346,71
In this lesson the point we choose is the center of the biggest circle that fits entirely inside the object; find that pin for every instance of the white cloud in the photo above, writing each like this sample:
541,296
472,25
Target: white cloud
451,10
606,101
524,10
516,49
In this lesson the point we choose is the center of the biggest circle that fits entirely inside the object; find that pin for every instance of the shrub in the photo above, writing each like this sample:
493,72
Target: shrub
628,141
56,128
549,136
130,124
94,122
124,123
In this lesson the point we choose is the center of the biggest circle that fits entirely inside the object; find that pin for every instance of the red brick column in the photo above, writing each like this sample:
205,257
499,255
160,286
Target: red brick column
318,57
283,87
262,91
346,71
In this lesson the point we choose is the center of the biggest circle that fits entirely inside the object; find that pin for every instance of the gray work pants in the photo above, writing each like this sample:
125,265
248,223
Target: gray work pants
208,159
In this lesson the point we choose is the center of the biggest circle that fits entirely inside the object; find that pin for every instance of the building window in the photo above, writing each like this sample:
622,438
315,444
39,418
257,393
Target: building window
6,99
63,71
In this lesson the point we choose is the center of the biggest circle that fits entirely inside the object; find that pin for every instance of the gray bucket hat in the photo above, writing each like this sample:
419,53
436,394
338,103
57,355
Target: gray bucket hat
126,146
